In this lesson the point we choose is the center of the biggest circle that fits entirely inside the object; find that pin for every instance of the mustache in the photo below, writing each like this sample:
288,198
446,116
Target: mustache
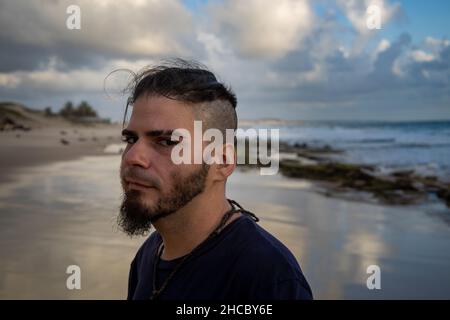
135,173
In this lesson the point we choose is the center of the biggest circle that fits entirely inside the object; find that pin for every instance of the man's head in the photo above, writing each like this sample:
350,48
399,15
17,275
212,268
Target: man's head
163,99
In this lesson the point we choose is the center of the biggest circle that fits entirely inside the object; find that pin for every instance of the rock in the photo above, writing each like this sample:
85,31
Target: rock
307,155
21,127
388,189
323,171
398,197
402,173
359,183
7,123
444,194
64,142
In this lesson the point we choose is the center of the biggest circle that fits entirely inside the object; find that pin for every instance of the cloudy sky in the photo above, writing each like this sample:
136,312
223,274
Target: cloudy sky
291,59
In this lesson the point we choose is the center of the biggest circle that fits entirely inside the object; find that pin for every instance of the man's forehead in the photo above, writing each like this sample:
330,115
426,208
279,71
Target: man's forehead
160,104
159,113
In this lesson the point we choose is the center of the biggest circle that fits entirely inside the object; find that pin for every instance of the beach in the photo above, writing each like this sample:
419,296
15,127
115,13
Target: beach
60,194
338,111
41,230
43,145
63,213
335,240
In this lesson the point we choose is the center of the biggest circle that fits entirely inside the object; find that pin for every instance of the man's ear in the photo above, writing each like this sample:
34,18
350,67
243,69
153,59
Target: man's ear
228,165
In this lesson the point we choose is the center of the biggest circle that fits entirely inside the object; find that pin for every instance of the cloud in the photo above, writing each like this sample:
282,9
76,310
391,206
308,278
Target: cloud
340,79
32,31
383,45
51,80
283,58
433,42
356,12
421,56
262,28
385,60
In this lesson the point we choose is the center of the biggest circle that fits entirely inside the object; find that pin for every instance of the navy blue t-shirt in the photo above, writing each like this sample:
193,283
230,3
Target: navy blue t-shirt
243,262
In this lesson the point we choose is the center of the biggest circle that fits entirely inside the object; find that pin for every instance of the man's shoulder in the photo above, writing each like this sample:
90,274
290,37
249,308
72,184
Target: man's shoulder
266,251
265,264
148,246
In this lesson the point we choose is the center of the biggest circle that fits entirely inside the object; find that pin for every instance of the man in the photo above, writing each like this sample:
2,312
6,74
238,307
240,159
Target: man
205,246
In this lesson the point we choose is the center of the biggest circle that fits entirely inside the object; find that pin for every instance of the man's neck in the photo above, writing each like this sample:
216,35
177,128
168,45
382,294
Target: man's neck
183,230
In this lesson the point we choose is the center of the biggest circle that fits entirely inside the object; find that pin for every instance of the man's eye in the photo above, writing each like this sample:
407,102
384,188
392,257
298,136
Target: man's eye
129,139
167,142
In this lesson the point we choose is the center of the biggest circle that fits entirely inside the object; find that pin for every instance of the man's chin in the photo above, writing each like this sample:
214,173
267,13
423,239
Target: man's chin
147,195
135,218
147,204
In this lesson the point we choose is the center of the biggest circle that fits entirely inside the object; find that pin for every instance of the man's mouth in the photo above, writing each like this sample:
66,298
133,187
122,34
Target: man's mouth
133,184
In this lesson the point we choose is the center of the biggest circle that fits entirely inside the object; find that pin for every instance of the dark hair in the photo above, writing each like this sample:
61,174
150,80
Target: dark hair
178,79
191,82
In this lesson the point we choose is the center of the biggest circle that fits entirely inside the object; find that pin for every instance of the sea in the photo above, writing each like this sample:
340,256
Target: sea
422,146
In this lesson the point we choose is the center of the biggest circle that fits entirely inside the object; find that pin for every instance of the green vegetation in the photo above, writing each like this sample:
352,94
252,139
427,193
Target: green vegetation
83,110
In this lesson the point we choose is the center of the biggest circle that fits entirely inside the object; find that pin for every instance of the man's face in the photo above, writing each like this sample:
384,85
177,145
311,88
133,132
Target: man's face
153,185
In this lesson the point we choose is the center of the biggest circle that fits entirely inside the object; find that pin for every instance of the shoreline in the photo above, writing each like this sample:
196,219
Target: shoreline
342,179
47,145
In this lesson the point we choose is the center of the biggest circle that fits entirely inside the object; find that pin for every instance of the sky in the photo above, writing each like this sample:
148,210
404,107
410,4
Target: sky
288,59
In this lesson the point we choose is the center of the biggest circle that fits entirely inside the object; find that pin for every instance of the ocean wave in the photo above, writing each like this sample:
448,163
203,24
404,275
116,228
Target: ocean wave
398,146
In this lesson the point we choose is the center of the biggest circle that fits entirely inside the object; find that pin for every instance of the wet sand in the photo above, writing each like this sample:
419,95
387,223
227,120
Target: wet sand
41,146
60,214
335,240
63,213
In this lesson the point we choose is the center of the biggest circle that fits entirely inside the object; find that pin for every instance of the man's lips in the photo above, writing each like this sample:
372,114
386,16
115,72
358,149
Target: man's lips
137,184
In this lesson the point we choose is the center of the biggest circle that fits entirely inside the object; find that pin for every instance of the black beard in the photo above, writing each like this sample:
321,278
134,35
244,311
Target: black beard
136,219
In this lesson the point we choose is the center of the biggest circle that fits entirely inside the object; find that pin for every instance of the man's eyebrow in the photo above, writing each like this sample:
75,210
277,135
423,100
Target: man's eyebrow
150,133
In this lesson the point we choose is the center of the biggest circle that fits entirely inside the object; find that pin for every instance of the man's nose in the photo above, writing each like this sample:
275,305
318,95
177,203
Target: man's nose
137,154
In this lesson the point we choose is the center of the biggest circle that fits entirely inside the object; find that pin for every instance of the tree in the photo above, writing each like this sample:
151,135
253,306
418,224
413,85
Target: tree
67,110
85,110
48,112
